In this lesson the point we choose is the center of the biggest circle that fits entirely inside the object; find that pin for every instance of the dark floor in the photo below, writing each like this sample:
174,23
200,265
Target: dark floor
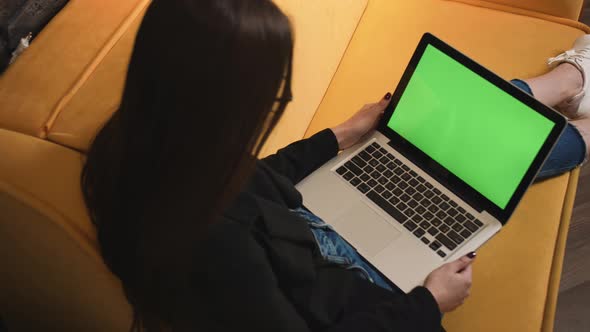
573,307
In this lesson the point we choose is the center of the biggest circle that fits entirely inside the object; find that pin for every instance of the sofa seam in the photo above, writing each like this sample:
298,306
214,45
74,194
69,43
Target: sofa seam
525,12
85,75
306,133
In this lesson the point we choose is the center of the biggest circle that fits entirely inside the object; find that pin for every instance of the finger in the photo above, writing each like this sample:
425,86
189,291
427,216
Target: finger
461,263
467,273
382,104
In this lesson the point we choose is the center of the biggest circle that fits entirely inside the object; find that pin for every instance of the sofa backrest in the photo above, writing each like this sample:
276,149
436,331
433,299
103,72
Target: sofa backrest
569,9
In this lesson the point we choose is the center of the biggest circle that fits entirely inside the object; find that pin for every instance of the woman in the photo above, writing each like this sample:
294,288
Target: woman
203,236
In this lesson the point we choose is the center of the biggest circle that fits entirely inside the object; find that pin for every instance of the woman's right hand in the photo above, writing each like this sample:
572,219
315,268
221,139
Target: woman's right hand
450,284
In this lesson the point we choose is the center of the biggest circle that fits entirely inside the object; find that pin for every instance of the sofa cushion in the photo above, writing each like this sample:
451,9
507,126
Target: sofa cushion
322,32
42,78
513,270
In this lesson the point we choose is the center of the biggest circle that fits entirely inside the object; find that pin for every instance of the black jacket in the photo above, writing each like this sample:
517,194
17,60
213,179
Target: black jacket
261,269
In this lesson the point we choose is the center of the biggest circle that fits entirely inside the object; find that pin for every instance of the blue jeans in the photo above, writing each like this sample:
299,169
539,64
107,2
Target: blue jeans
337,251
569,152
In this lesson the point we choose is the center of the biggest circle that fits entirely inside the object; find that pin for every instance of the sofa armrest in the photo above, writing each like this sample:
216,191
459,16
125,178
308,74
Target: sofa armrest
569,9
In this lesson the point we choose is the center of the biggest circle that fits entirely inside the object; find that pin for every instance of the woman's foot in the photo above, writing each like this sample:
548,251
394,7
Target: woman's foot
577,105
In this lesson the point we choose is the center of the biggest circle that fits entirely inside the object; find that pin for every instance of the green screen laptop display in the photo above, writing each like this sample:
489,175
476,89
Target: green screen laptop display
474,129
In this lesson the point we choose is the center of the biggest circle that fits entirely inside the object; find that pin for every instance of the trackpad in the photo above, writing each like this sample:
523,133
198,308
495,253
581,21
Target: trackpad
367,231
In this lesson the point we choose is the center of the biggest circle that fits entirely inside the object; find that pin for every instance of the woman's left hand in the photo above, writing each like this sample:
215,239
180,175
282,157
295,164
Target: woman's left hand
352,130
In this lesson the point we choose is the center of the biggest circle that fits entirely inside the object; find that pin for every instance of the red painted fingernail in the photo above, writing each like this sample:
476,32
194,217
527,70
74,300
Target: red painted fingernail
387,96
471,255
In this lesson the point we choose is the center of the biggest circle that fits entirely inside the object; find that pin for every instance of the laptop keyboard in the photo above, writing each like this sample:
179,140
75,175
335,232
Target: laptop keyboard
430,215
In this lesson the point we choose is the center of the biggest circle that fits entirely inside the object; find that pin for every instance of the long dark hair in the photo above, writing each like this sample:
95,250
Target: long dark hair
207,82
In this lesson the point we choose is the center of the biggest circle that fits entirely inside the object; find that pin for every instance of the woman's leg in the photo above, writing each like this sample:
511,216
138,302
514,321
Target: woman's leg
557,88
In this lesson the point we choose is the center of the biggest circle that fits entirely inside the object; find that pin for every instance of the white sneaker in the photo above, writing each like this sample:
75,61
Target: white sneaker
579,57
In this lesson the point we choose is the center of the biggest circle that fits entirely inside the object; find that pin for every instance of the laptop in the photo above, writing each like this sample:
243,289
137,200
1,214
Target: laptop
453,155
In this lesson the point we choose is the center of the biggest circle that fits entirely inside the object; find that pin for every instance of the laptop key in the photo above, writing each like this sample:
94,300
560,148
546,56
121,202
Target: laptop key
413,182
382,150
453,204
375,175
377,154
410,225
386,194
420,188
379,189
446,241
402,185
405,198
433,231
390,209
441,253
445,197
436,222
388,174
348,176
433,208
376,145
470,226
398,171
435,245
391,165
417,218
436,191
365,156
425,202
394,200
365,177
401,206
380,168
425,224
353,168
419,232
425,240
372,183
429,186
436,200
384,160
420,209
478,222
457,227
444,228
421,179
428,193
370,148
363,188
412,203
396,179
452,212
374,162
341,170
398,162
397,192
465,233
406,176
449,221
359,161
444,206
355,182
460,218
410,191
441,215
389,186
406,168
413,174
368,169
462,210
410,212
383,181
418,197
455,237
428,216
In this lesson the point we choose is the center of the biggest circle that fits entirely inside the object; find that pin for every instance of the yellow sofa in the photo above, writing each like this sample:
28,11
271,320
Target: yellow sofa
348,52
